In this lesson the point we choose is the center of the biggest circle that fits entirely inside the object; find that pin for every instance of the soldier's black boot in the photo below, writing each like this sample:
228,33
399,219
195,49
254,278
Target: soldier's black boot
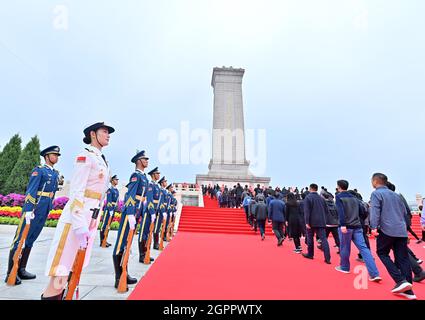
9,268
22,273
130,280
118,270
142,251
101,238
156,241
58,297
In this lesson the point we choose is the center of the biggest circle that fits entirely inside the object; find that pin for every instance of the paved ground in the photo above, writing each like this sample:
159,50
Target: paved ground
97,281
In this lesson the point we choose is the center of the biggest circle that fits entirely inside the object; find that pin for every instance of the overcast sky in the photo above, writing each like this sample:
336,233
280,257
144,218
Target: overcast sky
337,84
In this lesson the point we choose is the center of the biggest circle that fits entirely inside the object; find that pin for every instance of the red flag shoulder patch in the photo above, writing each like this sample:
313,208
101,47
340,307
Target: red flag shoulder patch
35,173
134,179
81,159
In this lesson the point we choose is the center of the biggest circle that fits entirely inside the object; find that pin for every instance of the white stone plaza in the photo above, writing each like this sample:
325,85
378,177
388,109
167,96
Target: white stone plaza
96,282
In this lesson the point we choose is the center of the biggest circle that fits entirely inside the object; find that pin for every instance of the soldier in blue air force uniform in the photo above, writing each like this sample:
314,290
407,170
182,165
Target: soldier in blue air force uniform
112,197
134,206
153,196
171,208
162,213
39,196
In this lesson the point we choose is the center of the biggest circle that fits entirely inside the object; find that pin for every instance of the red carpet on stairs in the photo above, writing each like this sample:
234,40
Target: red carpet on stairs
212,258
212,219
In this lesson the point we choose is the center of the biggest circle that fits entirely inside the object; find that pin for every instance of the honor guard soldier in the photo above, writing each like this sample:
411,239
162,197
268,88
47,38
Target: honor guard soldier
173,212
76,228
162,212
39,196
112,197
153,196
169,208
134,205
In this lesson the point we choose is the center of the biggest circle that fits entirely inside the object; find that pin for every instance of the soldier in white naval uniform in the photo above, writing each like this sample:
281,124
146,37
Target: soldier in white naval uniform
75,228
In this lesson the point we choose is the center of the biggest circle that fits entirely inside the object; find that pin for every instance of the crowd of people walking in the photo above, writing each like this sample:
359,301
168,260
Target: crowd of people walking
311,215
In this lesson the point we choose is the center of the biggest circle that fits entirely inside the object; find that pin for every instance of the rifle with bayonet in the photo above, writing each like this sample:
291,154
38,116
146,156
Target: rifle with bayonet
122,285
108,227
75,274
164,222
148,245
11,279
77,267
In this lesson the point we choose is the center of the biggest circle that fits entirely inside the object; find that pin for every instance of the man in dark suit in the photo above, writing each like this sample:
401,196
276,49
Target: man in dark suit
276,210
315,212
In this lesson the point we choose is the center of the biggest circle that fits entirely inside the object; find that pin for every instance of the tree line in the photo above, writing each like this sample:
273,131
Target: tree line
16,164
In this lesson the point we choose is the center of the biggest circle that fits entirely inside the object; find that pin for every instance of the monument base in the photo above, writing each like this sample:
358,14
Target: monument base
230,181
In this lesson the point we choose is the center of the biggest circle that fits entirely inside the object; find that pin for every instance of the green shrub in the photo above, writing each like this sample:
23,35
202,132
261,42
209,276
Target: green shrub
51,223
14,221
115,225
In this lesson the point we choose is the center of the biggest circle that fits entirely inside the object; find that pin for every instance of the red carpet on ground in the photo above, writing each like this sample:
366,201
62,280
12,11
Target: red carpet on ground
214,258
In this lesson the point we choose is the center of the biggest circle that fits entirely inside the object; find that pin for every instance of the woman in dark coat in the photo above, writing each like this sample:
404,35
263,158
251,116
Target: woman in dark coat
294,220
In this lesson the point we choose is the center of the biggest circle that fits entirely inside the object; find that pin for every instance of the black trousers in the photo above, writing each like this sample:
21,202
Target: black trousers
399,269
423,235
334,232
278,230
238,201
416,268
246,212
297,242
409,229
262,226
320,233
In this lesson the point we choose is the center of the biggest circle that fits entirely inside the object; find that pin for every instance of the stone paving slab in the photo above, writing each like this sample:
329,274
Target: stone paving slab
97,280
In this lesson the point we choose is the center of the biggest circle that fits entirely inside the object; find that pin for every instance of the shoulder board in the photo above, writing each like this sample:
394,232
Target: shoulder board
40,166
89,150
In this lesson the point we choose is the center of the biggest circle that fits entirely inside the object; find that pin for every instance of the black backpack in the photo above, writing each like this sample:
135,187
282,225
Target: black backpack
333,218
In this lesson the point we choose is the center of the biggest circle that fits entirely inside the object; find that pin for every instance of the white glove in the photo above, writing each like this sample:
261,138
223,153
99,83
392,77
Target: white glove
153,217
29,215
83,235
132,221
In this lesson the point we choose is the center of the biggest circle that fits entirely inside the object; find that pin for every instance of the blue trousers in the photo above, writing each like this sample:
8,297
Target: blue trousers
123,230
144,226
36,226
356,235
158,223
107,215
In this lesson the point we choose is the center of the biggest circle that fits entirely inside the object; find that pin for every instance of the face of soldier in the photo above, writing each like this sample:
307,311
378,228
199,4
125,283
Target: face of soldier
144,162
115,182
101,136
156,176
52,159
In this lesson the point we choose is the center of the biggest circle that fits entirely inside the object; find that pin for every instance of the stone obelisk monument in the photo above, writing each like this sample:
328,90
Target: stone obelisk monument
228,164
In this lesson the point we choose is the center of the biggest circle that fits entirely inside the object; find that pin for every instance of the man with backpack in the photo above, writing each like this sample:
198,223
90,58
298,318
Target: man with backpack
332,221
